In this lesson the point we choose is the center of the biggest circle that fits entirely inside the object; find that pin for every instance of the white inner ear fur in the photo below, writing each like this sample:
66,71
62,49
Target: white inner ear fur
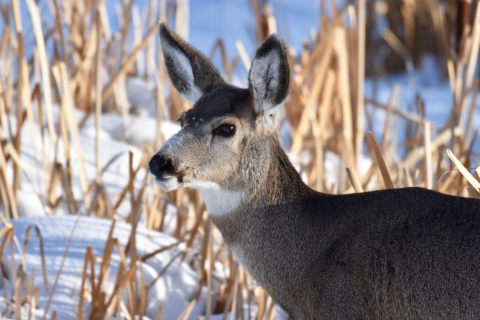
269,120
183,68
218,200
264,78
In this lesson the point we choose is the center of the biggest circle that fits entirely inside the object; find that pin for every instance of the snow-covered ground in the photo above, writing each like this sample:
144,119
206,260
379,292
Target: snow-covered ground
172,291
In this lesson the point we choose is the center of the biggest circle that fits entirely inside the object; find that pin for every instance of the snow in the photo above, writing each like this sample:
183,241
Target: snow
115,177
173,291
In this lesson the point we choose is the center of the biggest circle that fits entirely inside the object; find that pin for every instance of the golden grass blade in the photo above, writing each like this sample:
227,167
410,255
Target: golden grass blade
124,309
182,18
428,156
68,192
187,311
132,243
68,122
107,253
261,300
451,74
42,251
6,34
54,182
40,42
5,200
68,105
220,46
408,178
204,251
397,45
381,163
473,193
359,110
98,97
353,178
128,62
159,314
473,57
271,309
470,116
341,51
447,184
235,294
16,15
17,285
419,153
258,20
319,154
468,176
8,190
58,25
7,234
143,294
150,255
121,253
20,94
478,171
160,274
243,55
118,288
229,305
89,259
112,303
209,270
317,85
402,113
67,248
129,185
386,128
7,228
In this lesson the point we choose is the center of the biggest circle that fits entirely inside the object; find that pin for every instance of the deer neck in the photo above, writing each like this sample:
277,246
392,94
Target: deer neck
274,183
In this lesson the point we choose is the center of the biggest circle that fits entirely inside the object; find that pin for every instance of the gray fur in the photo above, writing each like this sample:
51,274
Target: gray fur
395,254
269,76
205,75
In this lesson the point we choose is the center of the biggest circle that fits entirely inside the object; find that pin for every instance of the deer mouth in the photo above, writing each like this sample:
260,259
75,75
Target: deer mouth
169,183
165,170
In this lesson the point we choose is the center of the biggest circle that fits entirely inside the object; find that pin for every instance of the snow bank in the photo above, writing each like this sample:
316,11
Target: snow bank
173,291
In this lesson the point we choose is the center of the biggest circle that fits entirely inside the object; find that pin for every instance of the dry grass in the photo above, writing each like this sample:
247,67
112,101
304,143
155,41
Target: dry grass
326,110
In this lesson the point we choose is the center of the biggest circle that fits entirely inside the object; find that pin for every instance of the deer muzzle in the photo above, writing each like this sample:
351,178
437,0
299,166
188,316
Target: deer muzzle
160,165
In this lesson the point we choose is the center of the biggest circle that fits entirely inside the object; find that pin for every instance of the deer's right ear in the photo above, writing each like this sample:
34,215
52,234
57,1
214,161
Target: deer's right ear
189,70
269,76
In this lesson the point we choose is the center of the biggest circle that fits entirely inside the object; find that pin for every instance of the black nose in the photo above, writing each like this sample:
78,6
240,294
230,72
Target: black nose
160,164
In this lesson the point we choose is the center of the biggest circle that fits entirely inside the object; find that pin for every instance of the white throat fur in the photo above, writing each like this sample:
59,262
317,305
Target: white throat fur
219,201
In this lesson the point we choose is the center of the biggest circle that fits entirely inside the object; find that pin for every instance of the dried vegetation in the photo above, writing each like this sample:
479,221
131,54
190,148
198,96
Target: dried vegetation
76,61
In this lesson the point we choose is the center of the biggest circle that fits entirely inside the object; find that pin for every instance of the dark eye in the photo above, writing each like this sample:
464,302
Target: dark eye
225,130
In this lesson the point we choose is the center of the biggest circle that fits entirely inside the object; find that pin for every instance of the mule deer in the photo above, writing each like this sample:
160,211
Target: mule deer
403,253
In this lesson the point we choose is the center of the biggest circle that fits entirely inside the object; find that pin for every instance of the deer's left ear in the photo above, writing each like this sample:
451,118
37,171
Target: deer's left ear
190,71
269,76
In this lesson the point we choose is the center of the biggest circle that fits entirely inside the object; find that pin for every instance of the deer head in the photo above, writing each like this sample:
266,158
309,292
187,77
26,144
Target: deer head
222,147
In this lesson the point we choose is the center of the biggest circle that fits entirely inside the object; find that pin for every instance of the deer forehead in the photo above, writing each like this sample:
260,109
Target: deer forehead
220,100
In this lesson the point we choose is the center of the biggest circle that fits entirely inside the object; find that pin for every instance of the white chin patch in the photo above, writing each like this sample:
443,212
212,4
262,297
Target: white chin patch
167,183
218,200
